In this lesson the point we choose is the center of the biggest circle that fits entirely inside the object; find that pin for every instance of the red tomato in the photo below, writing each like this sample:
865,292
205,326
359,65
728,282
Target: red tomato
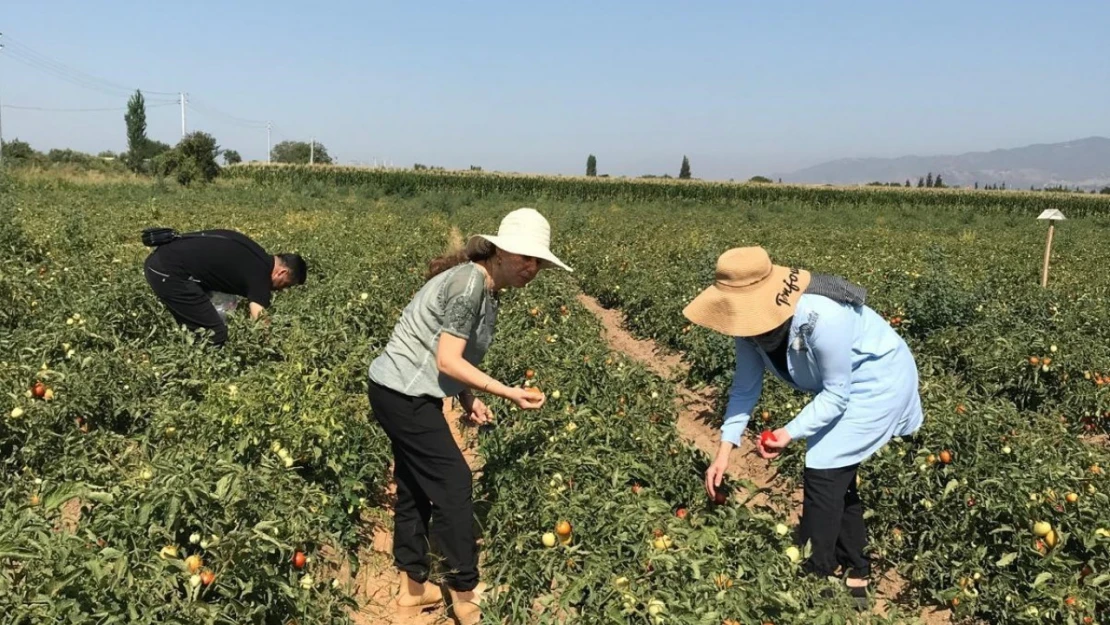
298,560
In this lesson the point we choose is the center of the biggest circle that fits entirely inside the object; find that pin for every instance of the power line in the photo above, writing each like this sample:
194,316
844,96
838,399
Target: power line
227,117
20,52
24,54
77,110
69,78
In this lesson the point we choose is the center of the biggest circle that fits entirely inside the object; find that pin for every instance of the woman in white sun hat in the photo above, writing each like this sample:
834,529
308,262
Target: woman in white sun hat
434,352
815,333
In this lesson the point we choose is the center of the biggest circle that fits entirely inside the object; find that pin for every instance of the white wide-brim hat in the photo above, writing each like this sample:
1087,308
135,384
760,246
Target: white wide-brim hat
526,232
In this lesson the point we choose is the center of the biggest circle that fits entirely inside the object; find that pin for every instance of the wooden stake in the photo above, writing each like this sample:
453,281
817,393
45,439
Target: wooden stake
1047,254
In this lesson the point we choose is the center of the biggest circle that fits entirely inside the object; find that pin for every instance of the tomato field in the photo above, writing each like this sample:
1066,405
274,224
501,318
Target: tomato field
147,478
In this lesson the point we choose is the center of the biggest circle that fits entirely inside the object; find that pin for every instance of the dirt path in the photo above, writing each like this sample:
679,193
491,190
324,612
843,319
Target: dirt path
695,413
377,580
695,409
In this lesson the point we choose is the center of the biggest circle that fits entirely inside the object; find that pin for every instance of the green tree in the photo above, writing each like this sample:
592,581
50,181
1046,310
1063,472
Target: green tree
920,183
192,160
763,179
929,180
684,171
938,183
67,156
232,157
591,165
907,182
154,148
137,143
298,152
17,150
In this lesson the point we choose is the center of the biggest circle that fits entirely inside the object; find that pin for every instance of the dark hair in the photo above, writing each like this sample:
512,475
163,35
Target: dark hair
476,249
298,269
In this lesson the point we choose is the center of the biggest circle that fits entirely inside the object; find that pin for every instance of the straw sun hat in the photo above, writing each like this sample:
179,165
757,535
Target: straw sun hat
526,232
750,295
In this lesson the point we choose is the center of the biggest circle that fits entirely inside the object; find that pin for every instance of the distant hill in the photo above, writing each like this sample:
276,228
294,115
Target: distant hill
1084,163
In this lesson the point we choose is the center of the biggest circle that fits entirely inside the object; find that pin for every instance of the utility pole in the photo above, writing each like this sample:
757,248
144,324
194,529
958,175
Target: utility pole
311,150
269,126
1,119
183,100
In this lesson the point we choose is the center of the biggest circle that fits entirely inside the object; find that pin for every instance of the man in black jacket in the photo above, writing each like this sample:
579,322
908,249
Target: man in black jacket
184,272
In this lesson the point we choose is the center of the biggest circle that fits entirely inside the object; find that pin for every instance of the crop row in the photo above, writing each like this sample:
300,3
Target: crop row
410,182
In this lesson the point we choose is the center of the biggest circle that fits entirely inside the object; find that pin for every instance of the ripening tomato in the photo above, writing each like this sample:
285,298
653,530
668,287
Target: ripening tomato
946,456
38,390
207,577
563,529
299,560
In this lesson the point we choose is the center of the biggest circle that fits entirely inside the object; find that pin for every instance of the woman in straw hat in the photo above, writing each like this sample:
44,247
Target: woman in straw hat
434,352
815,333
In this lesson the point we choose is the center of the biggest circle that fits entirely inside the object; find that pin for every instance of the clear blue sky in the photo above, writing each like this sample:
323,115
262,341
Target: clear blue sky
743,88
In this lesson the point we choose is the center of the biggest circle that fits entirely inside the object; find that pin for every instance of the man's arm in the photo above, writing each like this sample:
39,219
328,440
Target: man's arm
256,310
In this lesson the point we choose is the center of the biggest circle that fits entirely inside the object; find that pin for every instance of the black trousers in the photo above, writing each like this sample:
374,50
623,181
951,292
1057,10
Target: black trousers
190,305
832,520
434,488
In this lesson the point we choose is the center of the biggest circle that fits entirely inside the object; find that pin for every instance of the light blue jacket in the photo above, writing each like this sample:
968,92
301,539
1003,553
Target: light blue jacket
862,372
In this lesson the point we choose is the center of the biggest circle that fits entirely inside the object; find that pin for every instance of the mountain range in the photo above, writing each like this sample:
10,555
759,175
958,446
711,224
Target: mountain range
1083,163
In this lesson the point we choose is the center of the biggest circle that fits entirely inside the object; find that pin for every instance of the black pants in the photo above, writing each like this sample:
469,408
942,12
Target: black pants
434,488
190,304
832,518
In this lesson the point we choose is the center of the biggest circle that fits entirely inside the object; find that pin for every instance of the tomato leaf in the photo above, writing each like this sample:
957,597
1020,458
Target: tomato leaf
952,485
1100,580
1006,559
106,498
18,555
1041,579
223,486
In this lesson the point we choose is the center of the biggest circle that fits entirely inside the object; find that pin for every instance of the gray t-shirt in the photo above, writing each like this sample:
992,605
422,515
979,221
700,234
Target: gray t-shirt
456,302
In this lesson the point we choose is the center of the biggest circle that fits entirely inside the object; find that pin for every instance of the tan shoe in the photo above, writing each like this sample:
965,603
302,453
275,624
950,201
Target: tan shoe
414,597
466,607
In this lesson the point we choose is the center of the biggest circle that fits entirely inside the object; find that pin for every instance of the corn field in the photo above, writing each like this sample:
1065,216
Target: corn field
407,182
